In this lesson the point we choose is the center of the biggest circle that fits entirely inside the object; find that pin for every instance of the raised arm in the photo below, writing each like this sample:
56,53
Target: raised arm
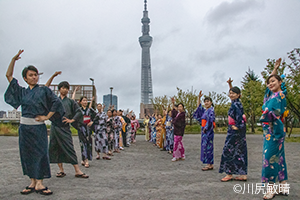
51,78
74,93
276,66
173,102
230,83
93,98
10,70
199,98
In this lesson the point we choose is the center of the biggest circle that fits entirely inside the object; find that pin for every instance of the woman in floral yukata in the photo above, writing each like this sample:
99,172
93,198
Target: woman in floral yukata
234,158
206,116
110,131
274,110
101,142
134,127
169,133
159,130
153,129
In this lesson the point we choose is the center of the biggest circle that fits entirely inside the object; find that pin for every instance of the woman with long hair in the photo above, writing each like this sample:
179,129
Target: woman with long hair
234,158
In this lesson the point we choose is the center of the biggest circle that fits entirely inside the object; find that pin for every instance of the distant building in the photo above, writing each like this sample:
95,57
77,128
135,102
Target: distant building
84,90
107,101
2,114
14,114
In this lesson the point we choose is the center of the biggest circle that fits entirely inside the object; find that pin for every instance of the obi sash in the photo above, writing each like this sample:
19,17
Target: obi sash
204,121
86,119
30,121
232,122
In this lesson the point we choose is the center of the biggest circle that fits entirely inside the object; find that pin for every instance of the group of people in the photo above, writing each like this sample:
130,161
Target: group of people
113,131
166,131
234,159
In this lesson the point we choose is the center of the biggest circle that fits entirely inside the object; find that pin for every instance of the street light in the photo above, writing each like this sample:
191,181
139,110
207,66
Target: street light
111,89
92,81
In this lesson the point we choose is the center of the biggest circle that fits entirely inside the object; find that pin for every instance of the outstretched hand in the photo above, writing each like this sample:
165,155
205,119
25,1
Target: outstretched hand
57,73
173,99
17,57
229,81
277,63
200,94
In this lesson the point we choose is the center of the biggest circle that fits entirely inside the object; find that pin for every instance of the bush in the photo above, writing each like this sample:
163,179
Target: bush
9,130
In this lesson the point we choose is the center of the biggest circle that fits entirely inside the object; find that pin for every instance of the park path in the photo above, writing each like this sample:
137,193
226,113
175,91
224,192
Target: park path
142,171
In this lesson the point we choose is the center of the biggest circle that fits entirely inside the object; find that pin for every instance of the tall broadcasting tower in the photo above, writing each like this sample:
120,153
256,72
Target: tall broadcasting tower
145,42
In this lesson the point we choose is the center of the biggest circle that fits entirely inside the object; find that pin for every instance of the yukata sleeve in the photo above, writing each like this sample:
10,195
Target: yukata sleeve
174,113
55,105
78,114
198,113
275,110
13,94
210,119
239,122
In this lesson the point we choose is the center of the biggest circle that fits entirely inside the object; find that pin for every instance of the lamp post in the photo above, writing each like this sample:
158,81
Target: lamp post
92,81
111,89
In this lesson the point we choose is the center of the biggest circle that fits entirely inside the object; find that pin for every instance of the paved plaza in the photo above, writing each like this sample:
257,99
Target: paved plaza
142,171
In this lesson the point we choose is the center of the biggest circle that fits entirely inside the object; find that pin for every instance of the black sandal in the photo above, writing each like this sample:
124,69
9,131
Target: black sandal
43,191
81,176
30,190
61,174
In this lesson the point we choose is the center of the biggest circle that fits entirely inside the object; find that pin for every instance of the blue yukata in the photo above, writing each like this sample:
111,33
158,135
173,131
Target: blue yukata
234,158
33,139
206,117
153,130
169,134
274,166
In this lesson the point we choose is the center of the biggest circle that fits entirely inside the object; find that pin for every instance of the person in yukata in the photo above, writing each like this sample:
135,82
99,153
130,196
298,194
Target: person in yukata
85,131
110,131
178,120
122,129
61,148
206,116
100,127
146,124
128,129
274,167
38,104
117,128
134,127
234,158
153,129
169,133
159,127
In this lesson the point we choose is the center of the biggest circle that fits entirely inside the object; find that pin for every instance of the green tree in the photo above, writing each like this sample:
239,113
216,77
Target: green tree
189,99
252,97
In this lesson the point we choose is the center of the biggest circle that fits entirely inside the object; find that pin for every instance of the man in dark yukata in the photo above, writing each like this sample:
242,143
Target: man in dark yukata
38,104
61,148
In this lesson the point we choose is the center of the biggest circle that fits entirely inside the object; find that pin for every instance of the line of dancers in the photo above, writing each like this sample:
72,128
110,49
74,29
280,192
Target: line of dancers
112,130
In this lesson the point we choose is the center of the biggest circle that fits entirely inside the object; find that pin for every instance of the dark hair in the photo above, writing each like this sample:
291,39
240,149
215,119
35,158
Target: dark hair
112,111
176,105
209,99
63,84
82,98
275,76
29,68
120,110
235,89
180,104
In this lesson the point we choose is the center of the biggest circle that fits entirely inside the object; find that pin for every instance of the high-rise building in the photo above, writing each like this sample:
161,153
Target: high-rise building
110,100
146,79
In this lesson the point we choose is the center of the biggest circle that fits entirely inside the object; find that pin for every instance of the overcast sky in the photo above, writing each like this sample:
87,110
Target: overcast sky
195,43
